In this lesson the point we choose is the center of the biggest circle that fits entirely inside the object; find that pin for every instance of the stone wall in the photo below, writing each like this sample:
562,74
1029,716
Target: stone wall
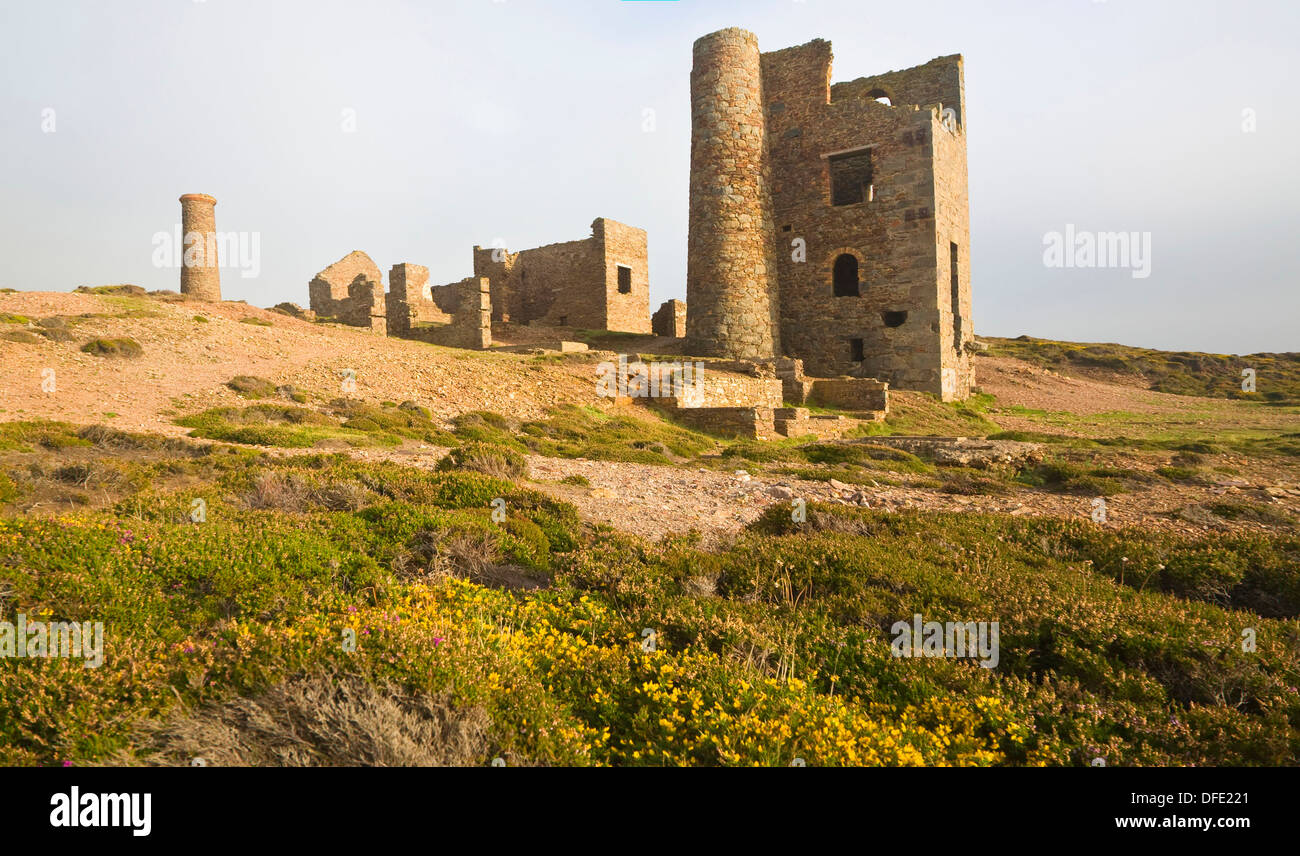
857,394
669,319
574,283
351,291
889,324
731,293
746,422
469,321
410,302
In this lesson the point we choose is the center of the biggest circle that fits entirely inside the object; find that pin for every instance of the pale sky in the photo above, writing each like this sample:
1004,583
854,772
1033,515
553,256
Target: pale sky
523,120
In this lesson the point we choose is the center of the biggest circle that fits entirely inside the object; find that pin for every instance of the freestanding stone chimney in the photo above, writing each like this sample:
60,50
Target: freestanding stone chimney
200,276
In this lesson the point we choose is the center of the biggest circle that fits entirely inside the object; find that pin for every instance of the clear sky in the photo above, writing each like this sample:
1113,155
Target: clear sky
478,121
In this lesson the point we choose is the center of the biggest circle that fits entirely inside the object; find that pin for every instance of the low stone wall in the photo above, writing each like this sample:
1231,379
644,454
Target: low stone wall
798,422
753,423
850,393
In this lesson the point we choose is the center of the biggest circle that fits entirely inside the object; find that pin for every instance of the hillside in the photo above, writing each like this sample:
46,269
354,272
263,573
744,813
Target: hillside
647,597
1277,376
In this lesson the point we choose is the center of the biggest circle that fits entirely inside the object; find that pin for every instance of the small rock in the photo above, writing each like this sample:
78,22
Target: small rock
780,492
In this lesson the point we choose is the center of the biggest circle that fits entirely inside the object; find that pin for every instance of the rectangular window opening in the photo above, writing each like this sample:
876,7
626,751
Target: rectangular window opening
858,353
851,177
953,256
624,280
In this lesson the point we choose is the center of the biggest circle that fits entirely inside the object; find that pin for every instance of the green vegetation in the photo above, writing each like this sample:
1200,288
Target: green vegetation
587,432
351,422
1178,372
1120,644
24,337
258,322
248,386
918,413
121,347
275,425
496,461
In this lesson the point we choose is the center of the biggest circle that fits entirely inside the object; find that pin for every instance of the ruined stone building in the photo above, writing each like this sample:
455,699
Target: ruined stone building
600,283
597,283
351,291
829,223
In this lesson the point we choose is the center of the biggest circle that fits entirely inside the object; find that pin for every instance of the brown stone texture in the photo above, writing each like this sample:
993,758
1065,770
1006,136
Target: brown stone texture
574,283
731,287
463,313
351,291
201,280
880,187
670,319
410,300
748,422
798,422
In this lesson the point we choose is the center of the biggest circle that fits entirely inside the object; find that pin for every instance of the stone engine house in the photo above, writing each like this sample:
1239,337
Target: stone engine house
829,222
598,283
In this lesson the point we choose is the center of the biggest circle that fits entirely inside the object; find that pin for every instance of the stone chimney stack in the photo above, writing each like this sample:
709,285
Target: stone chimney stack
731,294
200,276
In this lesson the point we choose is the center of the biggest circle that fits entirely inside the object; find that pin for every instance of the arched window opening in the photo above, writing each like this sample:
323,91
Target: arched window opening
882,96
845,276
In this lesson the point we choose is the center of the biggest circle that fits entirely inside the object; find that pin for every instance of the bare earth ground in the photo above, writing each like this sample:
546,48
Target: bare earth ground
186,364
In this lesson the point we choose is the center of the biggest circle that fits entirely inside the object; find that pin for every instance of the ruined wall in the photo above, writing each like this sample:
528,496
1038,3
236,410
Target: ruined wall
952,227
461,319
731,299
669,319
573,283
410,302
351,291
626,294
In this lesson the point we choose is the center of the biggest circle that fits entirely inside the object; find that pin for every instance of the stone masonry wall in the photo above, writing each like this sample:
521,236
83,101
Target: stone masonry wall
469,323
731,299
574,283
669,319
891,328
351,291
410,300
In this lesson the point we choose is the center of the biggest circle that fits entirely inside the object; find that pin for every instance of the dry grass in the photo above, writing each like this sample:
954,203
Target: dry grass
323,721
276,491
472,555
